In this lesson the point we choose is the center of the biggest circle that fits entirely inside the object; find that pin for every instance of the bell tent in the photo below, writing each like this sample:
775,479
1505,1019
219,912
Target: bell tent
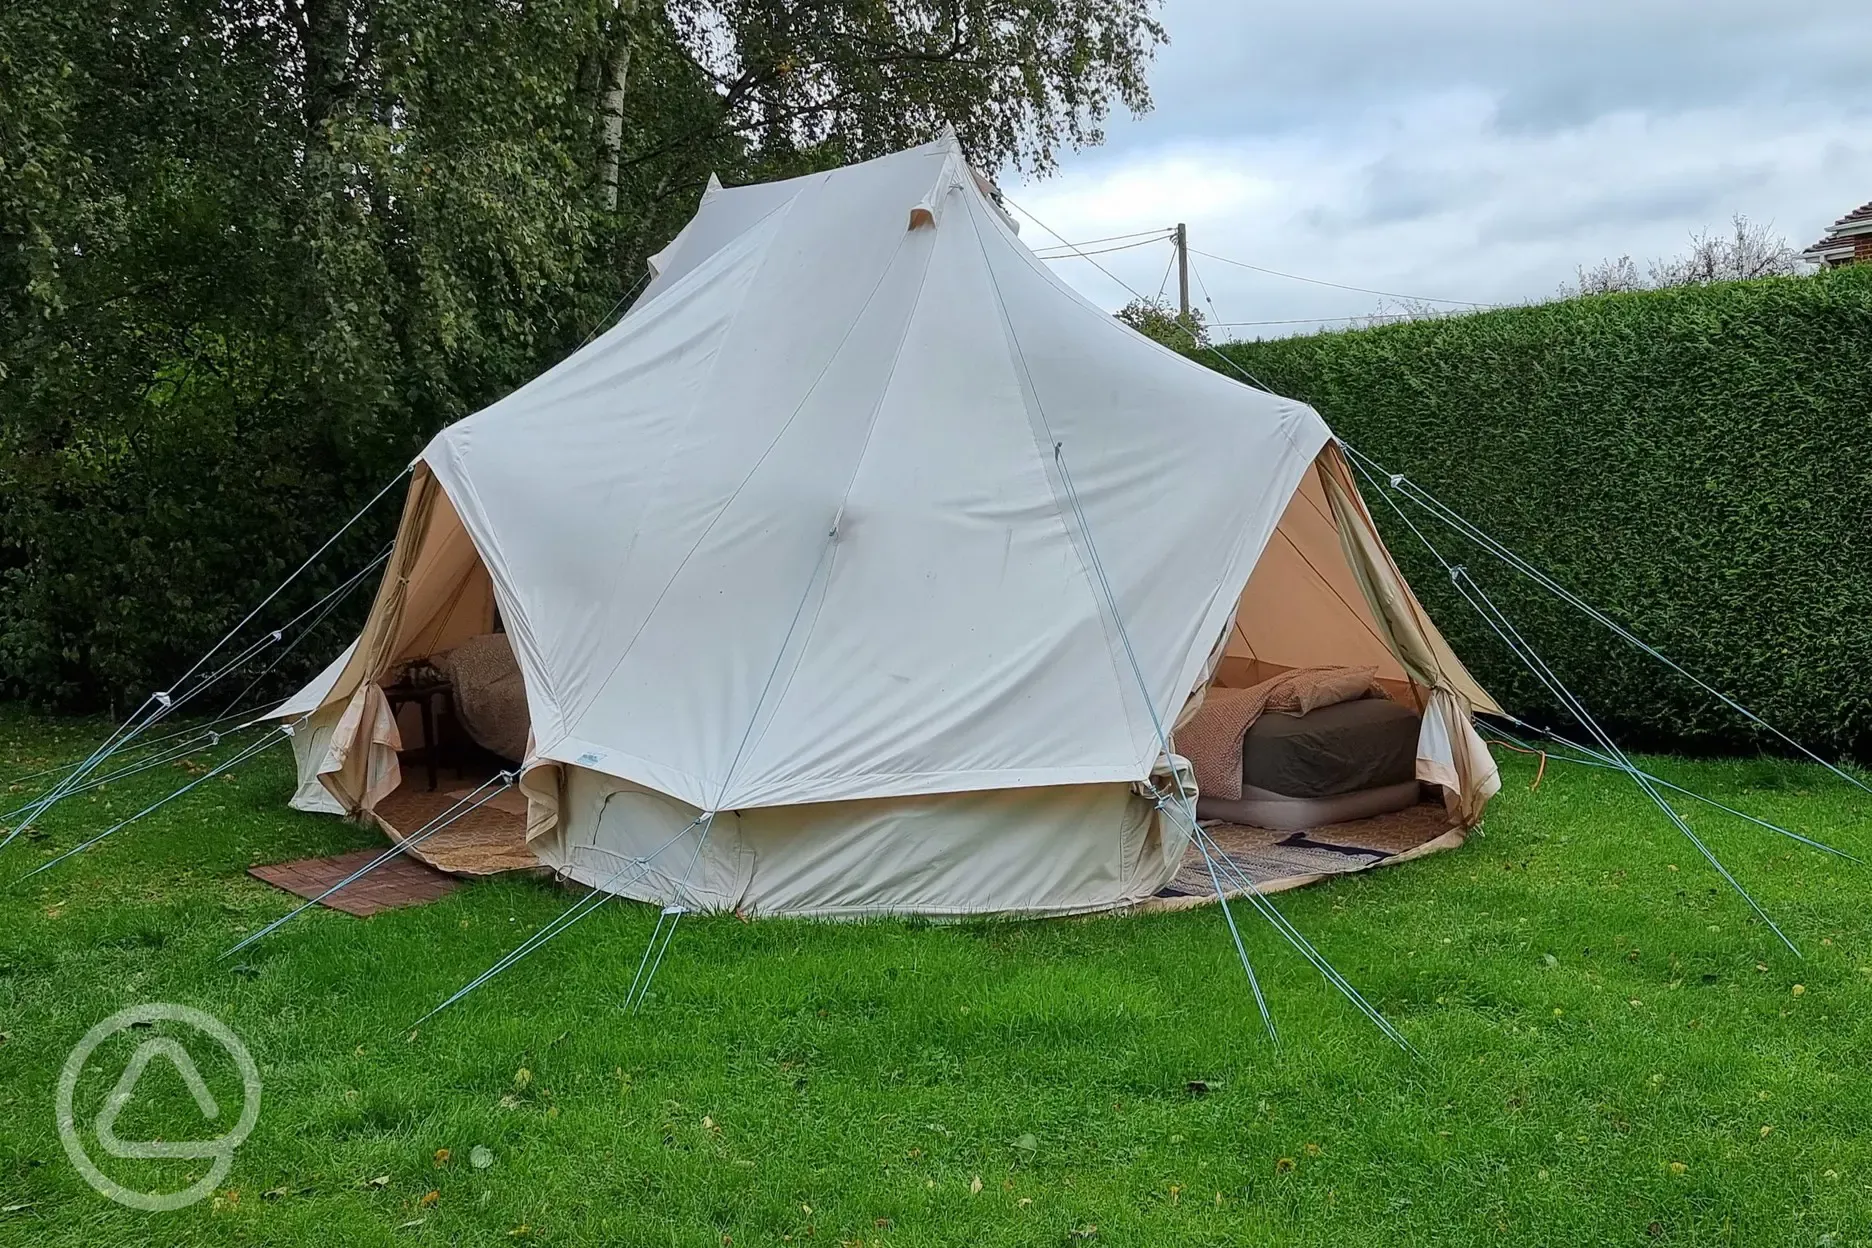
865,567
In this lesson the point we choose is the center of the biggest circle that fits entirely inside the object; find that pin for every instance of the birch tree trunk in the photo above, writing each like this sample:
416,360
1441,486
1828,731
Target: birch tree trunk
611,104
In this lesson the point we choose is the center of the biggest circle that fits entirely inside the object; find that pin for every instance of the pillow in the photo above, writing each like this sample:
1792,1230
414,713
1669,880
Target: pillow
1328,686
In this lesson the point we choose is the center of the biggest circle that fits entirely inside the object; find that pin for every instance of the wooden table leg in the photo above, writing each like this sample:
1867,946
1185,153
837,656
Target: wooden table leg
429,739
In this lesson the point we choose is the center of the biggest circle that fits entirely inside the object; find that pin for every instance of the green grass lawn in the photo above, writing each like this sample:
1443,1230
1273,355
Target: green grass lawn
1613,1050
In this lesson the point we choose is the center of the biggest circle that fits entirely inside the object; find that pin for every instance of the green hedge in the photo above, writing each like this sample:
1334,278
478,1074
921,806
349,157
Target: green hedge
1697,462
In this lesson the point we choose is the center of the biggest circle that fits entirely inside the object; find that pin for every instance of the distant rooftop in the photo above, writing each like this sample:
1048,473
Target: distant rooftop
1848,242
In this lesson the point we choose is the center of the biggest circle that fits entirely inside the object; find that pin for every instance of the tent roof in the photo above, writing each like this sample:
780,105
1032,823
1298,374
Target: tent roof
838,510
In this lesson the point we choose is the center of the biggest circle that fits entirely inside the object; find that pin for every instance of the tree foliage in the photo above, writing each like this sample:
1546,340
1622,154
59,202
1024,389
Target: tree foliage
1749,250
1159,320
253,253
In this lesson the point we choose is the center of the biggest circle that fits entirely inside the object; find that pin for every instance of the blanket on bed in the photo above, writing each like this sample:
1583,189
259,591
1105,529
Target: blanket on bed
1212,739
490,696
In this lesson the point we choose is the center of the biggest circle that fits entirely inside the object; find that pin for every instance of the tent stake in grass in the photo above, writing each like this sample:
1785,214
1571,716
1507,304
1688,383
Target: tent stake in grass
566,918
640,984
1254,982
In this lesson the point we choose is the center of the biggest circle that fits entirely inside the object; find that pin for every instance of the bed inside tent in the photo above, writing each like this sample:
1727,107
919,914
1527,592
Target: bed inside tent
1342,787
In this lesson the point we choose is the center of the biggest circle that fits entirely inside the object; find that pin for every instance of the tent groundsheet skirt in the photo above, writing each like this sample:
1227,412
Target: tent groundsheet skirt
1065,849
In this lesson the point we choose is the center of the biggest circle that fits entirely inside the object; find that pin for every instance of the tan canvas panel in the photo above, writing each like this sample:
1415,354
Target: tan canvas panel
1303,607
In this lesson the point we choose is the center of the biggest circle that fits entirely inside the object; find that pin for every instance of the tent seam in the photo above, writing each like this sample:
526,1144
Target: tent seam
1018,357
701,389
864,452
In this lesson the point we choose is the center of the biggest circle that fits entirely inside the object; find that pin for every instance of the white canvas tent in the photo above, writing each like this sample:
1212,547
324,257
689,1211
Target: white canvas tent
859,531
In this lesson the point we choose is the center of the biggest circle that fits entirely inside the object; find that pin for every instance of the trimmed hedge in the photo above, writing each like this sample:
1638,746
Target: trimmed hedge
1697,462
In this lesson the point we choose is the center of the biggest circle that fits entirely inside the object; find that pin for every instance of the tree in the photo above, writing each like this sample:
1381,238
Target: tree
254,252
856,78
1608,277
1158,319
1749,250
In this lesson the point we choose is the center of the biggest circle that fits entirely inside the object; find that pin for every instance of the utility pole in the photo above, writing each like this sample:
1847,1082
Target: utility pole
1182,248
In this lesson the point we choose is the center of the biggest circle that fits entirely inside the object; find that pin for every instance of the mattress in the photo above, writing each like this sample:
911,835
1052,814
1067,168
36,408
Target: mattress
1349,747
1258,808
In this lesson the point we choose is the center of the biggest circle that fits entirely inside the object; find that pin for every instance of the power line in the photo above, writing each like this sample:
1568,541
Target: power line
1161,231
1065,253
1220,354
1074,247
1194,340
1363,290
1321,320
1069,250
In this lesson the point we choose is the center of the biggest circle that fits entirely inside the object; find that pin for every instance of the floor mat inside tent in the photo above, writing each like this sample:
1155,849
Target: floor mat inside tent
487,840
1276,861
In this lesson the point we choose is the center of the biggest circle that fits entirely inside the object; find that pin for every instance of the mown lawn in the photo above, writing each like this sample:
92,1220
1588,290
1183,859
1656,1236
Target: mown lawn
1612,1049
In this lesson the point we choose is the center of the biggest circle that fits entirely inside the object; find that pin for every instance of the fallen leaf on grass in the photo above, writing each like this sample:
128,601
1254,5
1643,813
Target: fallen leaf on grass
480,1157
441,1156
429,1198
382,1180
975,1186
1284,1166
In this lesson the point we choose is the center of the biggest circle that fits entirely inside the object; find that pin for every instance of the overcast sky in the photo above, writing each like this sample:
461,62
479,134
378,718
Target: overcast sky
1464,149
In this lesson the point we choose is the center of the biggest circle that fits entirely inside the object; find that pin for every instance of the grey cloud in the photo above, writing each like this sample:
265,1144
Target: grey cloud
1470,149
1271,68
1692,199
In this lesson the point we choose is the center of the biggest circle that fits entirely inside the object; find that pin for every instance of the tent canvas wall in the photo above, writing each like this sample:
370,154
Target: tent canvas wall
864,534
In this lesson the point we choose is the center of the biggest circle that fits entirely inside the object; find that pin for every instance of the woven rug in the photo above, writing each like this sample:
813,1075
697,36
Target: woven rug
486,841
399,882
1276,861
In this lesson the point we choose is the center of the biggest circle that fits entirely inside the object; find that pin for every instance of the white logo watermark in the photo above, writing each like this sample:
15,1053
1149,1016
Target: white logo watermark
220,1149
